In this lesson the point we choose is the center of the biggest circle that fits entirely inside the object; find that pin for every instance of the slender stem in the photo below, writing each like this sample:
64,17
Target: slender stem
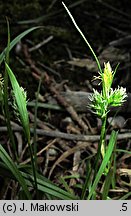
33,164
7,113
83,36
101,143
6,106
87,181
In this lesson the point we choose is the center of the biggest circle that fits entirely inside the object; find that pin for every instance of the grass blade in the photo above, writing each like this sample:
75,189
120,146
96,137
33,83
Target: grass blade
83,36
107,184
88,180
105,161
21,104
126,196
20,101
13,168
5,97
48,187
15,41
44,184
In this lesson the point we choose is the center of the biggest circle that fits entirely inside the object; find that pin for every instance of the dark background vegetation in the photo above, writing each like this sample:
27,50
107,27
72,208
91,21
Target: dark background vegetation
102,22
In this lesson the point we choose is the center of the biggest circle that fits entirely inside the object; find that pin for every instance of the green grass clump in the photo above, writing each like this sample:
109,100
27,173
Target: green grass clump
28,178
100,105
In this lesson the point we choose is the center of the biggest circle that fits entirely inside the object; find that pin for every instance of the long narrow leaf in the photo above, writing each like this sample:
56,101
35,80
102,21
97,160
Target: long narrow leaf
44,184
15,41
83,36
6,105
107,184
13,168
48,187
105,161
21,105
20,101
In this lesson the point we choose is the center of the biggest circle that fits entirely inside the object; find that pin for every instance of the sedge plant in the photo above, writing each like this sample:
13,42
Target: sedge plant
19,105
27,176
100,103
19,96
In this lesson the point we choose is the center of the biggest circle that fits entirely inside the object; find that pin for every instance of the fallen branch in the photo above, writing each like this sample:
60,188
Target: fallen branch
57,134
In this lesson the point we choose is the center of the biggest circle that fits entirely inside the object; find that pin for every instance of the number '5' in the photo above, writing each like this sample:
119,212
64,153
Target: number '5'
124,206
